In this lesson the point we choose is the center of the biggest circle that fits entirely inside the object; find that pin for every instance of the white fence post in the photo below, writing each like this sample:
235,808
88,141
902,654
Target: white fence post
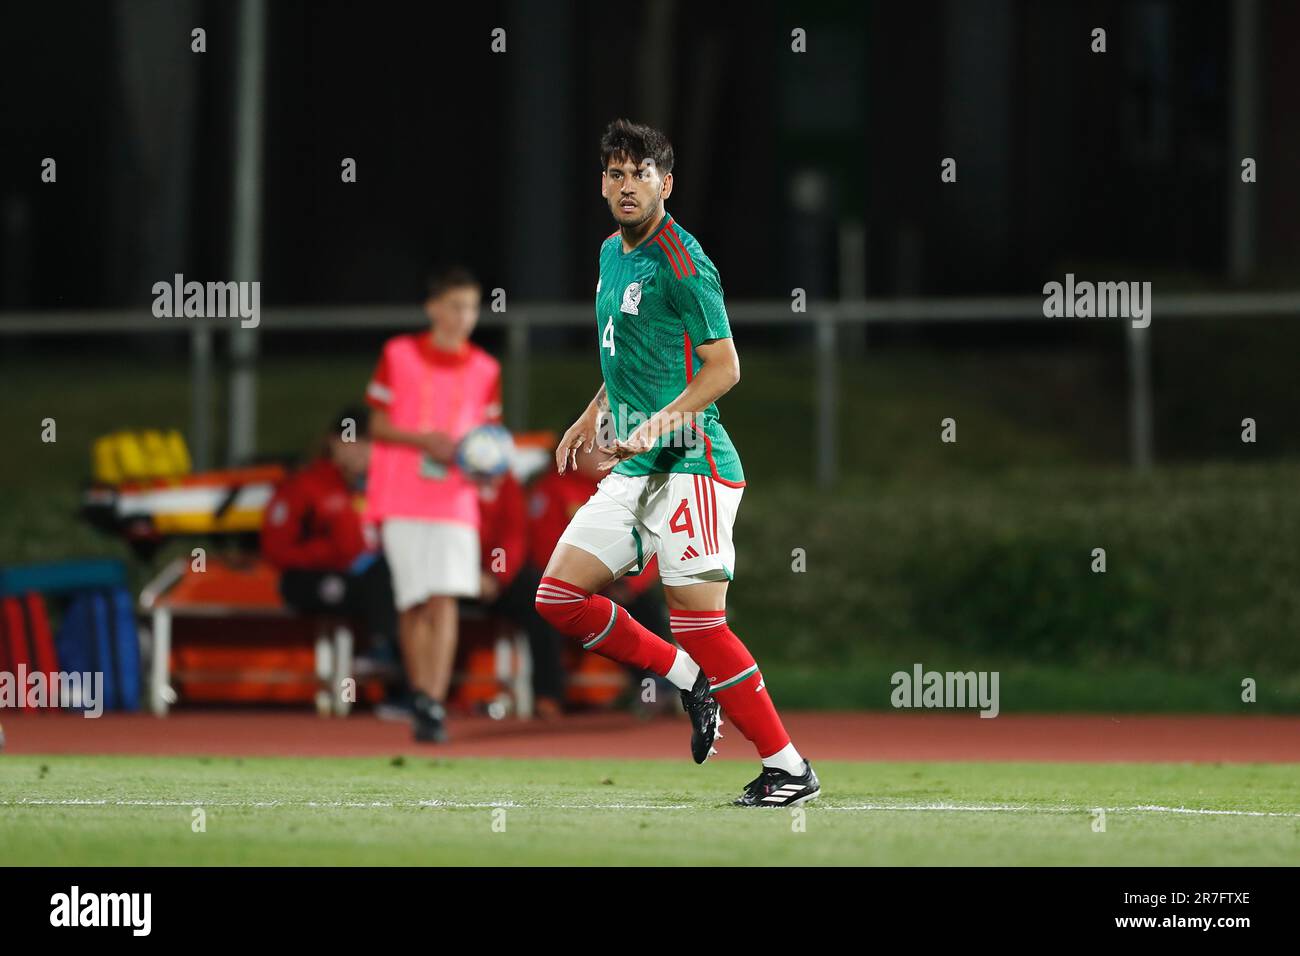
827,393
1141,429
246,225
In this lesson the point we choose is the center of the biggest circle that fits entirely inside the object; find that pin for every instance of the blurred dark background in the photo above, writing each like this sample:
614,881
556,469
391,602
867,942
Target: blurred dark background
1065,157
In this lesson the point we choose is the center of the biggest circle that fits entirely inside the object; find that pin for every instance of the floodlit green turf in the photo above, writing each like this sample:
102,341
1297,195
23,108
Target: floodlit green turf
429,811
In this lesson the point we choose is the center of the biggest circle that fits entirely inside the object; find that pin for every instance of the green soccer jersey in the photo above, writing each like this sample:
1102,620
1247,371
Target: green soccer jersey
653,305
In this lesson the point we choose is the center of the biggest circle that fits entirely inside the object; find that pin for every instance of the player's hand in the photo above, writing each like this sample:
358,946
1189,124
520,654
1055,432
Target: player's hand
581,434
439,446
637,443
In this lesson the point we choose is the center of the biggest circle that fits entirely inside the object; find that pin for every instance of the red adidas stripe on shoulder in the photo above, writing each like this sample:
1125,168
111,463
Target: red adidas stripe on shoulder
672,257
688,264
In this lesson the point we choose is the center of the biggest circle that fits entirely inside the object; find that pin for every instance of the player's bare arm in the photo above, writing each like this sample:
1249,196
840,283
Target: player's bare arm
718,373
439,446
581,433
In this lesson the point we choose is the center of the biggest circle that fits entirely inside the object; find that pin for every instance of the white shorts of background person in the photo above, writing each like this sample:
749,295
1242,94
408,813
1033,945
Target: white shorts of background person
430,558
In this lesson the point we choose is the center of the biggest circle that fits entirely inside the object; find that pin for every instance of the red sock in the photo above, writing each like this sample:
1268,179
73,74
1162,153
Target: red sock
737,683
602,626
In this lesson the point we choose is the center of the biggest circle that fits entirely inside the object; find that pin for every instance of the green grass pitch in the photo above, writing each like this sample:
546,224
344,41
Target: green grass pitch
61,810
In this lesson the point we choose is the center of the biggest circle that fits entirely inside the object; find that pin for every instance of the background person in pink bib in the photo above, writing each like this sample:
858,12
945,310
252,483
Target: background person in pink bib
428,390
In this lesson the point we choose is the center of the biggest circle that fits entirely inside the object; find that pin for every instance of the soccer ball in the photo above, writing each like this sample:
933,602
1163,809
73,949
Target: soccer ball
485,451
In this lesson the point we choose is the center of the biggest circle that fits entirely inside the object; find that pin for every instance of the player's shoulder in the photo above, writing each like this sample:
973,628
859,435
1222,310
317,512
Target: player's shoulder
681,253
405,343
482,358
683,236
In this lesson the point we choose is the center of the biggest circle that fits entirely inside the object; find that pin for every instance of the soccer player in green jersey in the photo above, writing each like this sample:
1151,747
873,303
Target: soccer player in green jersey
674,478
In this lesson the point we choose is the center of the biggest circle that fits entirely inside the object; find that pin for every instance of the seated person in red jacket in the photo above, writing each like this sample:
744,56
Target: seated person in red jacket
552,500
312,531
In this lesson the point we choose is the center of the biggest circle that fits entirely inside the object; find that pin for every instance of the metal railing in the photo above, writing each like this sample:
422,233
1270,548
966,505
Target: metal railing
825,318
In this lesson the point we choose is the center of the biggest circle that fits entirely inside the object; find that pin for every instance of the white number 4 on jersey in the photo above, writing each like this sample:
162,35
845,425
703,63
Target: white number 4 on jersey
607,339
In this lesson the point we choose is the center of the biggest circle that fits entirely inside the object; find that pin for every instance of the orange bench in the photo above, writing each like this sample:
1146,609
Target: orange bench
278,655
271,655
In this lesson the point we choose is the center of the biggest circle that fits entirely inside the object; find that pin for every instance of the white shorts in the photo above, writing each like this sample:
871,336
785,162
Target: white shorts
428,558
685,519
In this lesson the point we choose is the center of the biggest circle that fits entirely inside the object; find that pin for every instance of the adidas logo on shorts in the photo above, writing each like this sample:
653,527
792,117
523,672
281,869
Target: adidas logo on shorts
690,552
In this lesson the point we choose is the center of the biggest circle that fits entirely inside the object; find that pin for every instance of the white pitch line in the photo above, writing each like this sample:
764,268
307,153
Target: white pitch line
455,805
509,804
338,804
1224,813
954,808
993,808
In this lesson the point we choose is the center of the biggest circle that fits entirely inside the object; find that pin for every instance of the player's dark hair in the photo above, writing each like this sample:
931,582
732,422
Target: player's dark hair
320,447
445,278
624,139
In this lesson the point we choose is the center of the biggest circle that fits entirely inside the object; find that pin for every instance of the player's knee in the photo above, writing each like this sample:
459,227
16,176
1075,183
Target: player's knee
562,605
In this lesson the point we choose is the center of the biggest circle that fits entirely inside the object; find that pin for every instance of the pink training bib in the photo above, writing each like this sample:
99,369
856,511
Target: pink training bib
424,388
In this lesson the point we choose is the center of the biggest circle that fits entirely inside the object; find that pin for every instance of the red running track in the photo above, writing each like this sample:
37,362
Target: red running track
827,736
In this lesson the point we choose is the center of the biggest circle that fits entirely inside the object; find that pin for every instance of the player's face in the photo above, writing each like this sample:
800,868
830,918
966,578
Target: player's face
634,191
454,314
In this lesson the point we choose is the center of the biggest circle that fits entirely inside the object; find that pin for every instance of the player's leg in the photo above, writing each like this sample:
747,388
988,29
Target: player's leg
426,637
428,643
419,642
568,599
451,561
699,622
697,558
442,619
580,568
698,617
599,545
410,591
432,563
411,643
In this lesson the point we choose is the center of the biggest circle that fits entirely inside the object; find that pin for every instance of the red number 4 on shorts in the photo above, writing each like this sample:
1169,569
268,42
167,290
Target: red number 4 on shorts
681,520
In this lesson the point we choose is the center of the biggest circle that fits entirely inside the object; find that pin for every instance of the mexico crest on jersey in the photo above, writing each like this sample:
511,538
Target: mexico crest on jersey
631,298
